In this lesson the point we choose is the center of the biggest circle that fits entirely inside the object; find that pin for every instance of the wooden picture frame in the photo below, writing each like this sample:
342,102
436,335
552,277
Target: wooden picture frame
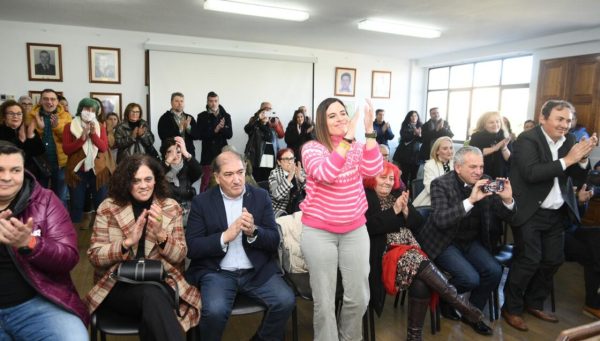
345,81
44,62
381,84
104,64
36,96
111,102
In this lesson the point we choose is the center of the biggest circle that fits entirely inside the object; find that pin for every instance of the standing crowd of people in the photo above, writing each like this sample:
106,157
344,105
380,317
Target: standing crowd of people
361,224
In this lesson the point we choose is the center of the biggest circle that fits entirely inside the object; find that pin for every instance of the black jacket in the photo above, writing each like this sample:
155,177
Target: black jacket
32,147
212,142
295,140
533,172
429,135
167,127
379,224
189,173
258,135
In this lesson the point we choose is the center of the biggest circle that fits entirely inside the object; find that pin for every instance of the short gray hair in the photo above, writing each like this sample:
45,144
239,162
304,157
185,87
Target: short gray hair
217,162
459,156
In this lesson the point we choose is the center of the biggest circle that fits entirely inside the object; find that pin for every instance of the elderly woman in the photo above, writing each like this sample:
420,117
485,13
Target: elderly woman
392,220
133,135
86,144
440,163
286,183
181,171
138,220
489,136
13,129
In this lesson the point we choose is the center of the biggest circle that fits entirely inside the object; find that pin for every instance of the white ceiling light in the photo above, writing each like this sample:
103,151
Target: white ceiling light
255,10
398,28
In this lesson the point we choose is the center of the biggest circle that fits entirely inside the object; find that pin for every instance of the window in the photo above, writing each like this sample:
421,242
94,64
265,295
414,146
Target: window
464,92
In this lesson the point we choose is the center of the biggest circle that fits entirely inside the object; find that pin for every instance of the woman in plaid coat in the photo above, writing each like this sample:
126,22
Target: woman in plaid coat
142,221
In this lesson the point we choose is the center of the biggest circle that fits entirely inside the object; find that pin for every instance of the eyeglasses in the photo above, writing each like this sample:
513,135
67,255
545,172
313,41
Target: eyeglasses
288,159
14,114
28,104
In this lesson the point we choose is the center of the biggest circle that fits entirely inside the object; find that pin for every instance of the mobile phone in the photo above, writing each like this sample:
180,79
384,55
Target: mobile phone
494,186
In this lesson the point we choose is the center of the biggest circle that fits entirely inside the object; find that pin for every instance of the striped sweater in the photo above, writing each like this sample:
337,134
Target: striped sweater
335,197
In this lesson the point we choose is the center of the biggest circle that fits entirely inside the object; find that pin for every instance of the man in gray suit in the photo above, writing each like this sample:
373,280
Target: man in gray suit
543,160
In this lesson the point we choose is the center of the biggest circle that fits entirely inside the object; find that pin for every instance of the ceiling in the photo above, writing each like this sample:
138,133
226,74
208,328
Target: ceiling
465,24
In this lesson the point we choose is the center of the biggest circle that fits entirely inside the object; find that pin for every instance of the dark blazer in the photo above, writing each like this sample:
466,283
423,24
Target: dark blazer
533,172
212,142
429,135
206,223
447,212
39,69
379,224
167,127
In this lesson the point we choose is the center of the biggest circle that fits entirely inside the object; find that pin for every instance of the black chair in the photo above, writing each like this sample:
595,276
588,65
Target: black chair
110,322
416,187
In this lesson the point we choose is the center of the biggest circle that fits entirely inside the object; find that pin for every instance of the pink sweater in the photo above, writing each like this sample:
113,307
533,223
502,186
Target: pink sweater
335,197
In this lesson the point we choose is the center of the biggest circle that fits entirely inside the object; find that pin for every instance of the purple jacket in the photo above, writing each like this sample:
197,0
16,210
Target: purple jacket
47,268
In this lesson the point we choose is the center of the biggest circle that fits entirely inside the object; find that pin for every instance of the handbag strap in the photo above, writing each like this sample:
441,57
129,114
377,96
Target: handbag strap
157,284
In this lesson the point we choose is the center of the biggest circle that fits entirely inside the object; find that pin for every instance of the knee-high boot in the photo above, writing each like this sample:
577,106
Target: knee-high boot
417,309
436,280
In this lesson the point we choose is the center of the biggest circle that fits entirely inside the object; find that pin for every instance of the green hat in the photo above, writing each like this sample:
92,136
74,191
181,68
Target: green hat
87,103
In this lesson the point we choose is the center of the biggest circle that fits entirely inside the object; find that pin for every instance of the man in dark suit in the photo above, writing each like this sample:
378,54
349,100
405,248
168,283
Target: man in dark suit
232,243
175,122
463,228
44,67
433,129
543,160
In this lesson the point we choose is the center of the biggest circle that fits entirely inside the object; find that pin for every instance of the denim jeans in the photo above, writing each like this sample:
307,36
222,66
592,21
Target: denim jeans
87,182
473,269
218,290
39,319
56,182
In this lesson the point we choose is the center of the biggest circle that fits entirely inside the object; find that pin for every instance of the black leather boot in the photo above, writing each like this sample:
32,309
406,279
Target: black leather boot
417,309
436,280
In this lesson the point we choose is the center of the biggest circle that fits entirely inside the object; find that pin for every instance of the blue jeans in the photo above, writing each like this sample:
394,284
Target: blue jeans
473,269
218,290
39,319
87,182
56,183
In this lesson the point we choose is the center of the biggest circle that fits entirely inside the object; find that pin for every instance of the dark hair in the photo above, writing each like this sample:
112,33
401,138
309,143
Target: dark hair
407,119
48,90
113,114
432,109
61,98
166,144
8,148
321,131
211,94
216,163
176,94
552,104
130,107
283,151
6,105
346,74
295,117
378,111
122,180
529,121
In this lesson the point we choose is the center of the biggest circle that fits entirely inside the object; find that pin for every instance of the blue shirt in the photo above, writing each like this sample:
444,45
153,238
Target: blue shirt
235,256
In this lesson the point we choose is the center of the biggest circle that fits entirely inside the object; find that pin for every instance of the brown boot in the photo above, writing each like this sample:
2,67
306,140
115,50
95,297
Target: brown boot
436,280
417,309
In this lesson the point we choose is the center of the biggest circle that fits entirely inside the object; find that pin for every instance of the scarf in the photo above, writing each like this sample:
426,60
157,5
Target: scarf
135,124
171,175
89,148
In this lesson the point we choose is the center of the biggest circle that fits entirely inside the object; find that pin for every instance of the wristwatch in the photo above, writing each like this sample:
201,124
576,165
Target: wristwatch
26,250
371,135
255,232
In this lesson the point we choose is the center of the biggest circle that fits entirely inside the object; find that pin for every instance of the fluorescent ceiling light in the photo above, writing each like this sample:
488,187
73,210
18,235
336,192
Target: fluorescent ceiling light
255,10
398,28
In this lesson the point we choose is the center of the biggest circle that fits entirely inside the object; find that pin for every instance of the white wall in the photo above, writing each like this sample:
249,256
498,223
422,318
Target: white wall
75,84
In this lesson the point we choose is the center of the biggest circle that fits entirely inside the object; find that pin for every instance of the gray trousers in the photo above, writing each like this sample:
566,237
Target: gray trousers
324,252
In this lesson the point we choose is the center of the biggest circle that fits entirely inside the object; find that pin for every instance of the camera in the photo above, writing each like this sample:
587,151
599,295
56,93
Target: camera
494,186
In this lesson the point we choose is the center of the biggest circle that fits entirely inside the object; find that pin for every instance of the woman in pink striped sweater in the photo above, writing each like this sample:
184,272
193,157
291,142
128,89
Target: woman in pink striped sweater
334,233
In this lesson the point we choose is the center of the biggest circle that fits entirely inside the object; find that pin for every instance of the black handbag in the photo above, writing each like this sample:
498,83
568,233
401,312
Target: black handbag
146,271
43,165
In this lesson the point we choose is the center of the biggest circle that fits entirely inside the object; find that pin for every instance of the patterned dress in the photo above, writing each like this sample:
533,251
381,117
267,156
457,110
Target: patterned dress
409,262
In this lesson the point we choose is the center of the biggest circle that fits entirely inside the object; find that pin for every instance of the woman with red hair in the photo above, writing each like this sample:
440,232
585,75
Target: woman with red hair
391,222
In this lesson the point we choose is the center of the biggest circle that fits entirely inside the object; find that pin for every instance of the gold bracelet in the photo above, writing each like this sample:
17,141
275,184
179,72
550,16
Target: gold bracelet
344,144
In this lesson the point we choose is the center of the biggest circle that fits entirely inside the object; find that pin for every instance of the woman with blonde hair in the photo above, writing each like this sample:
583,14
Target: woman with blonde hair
440,163
494,142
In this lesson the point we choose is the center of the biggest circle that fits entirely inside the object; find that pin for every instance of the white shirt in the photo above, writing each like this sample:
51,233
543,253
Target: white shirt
235,256
554,200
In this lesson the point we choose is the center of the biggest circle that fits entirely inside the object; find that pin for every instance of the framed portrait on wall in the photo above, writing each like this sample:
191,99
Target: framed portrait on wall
36,96
111,102
44,62
104,64
345,81
381,84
